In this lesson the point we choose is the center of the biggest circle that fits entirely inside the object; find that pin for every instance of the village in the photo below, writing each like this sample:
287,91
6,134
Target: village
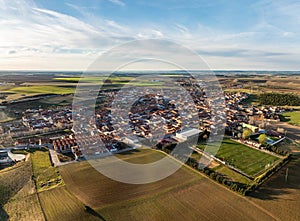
155,117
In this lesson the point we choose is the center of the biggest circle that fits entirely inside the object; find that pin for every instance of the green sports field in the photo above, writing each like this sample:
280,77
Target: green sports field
244,158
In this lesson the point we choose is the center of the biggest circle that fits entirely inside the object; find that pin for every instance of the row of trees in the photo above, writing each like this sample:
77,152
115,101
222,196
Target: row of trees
277,150
220,178
279,99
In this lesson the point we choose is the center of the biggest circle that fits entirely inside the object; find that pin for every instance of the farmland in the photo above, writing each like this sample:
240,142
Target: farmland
78,177
59,204
93,79
42,89
247,159
18,199
25,205
279,195
67,85
185,195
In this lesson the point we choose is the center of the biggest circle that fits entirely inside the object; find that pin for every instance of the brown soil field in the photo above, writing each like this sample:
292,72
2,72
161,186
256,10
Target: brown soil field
97,190
279,196
24,205
185,195
18,197
59,204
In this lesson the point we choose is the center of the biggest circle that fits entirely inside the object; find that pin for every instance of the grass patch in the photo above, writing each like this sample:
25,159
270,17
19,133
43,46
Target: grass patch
45,175
291,117
244,158
234,176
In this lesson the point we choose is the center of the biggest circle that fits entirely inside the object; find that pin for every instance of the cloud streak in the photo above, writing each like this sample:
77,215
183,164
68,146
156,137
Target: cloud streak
117,2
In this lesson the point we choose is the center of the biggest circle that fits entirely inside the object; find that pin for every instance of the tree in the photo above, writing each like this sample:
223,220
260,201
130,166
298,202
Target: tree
246,133
262,138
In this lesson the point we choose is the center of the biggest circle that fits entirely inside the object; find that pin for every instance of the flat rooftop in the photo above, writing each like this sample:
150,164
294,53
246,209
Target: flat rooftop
190,132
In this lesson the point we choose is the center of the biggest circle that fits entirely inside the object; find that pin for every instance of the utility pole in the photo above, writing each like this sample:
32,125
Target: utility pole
286,174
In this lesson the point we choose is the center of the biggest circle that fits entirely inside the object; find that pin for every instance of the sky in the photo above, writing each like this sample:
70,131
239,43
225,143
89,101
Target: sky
72,34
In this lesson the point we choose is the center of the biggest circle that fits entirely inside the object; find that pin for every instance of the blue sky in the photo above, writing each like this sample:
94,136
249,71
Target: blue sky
69,35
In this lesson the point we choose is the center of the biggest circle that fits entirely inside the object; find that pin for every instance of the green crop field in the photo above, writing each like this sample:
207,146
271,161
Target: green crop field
45,175
60,204
291,117
245,158
112,81
42,89
185,195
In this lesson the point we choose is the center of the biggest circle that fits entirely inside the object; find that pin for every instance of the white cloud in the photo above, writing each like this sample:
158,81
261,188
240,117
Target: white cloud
34,34
118,2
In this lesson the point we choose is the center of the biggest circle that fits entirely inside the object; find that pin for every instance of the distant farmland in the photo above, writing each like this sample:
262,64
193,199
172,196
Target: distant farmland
43,89
185,195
